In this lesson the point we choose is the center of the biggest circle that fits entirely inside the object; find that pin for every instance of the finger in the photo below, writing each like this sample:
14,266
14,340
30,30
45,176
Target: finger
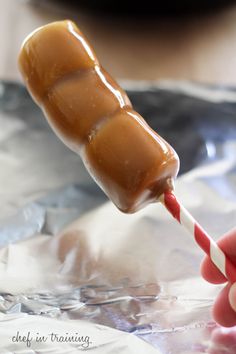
228,245
210,272
232,296
222,310
223,341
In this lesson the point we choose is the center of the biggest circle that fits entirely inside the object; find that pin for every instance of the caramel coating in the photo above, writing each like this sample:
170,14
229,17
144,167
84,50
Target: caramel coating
94,117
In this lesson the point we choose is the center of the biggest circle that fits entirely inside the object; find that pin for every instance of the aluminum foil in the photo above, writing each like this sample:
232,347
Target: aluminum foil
74,268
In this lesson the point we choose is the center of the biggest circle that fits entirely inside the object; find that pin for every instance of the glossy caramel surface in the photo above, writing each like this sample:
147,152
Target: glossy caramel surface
94,117
130,160
80,102
50,53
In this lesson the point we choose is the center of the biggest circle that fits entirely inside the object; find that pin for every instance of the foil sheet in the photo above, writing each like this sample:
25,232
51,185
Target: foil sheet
75,273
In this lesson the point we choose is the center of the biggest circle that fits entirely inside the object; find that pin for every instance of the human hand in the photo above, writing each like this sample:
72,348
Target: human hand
223,341
224,309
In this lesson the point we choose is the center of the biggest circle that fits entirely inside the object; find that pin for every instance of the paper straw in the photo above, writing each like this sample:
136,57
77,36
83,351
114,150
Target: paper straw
208,245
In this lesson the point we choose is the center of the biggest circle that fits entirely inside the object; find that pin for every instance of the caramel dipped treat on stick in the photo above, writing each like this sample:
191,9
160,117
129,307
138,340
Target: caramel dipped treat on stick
93,116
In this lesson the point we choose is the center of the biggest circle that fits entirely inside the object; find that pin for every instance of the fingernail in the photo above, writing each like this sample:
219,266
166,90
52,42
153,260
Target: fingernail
232,296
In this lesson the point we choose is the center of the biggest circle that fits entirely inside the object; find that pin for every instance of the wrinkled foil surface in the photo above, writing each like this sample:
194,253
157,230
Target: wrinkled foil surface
71,264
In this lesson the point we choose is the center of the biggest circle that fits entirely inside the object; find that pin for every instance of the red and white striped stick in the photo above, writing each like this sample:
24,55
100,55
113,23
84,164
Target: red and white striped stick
209,246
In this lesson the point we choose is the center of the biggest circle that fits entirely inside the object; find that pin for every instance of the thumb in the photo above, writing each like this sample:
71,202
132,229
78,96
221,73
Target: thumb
232,296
